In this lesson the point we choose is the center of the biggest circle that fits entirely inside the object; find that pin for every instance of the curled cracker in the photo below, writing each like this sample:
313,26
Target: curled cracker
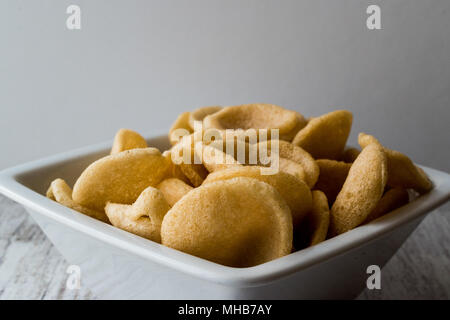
60,192
174,170
293,190
144,217
391,200
301,123
173,189
126,139
361,191
213,158
332,177
253,116
292,152
200,113
180,128
325,137
402,171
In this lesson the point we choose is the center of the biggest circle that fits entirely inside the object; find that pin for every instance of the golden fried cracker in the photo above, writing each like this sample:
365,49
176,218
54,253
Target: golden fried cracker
200,113
293,190
402,171
173,189
119,178
293,168
361,191
315,225
332,177
182,122
213,156
144,217
391,200
301,123
126,139
253,116
174,169
292,152
60,192
239,222
325,137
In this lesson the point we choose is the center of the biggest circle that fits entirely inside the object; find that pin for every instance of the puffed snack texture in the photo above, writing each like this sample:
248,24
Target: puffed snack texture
222,223
245,184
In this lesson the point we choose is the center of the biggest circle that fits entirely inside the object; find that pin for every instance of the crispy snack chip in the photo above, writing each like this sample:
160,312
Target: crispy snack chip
119,178
361,191
200,113
213,158
292,152
325,137
253,116
126,139
292,168
314,228
173,189
350,155
239,222
391,200
235,187
301,123
293,190
182,122
60,192
196,173
402,171
332,177
144,217
174,169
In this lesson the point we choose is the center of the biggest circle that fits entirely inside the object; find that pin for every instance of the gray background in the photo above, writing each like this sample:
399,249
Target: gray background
137,64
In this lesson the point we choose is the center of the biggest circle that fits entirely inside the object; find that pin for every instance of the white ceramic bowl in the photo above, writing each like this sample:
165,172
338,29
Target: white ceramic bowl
119,265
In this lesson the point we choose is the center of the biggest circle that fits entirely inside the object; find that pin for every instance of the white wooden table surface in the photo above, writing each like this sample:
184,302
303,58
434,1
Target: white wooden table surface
31,267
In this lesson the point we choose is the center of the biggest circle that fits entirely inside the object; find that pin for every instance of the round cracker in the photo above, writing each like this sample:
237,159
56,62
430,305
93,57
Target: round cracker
213,158
292,152
293,190
325,137
119,178
126,139
361,191
173,189
239,222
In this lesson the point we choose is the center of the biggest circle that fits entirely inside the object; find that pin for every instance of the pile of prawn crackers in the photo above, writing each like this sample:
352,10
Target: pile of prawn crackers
237,208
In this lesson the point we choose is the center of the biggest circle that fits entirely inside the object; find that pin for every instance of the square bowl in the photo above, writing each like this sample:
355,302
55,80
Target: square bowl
116,264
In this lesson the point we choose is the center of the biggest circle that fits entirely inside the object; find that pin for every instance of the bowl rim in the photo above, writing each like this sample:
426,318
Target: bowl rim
198,267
